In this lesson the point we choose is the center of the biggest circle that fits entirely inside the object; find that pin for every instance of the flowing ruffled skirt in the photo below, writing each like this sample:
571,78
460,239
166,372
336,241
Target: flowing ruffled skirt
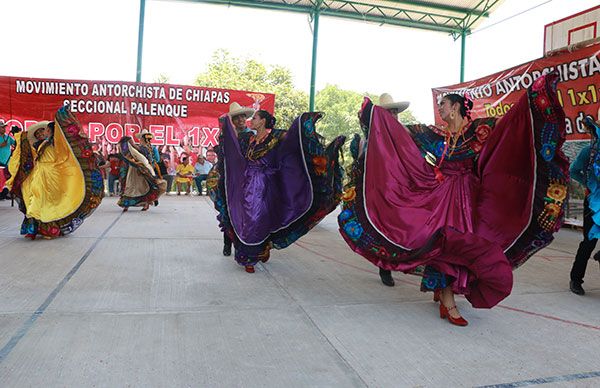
487,216
63,186
142,186
272,202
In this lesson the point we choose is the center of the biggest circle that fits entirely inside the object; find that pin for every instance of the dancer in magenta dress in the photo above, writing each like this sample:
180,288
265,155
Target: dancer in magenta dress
461,206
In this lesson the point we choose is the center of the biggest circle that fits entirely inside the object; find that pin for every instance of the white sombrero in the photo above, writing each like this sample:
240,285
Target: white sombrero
387,102
32,129
236,109
144,132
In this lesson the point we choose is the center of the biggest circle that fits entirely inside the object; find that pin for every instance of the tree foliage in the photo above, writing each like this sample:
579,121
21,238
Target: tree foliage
340,107
162,78
228,72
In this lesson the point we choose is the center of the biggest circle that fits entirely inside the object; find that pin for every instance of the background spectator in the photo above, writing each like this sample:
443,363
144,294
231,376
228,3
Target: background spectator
6,145
170,172
201,169
113,174
185,174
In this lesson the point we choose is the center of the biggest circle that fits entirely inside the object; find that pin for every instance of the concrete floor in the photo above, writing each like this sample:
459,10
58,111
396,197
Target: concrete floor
145,299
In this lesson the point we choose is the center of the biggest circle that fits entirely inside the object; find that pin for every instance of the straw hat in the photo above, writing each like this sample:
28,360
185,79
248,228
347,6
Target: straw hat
144,132
33,129
236,109
387,102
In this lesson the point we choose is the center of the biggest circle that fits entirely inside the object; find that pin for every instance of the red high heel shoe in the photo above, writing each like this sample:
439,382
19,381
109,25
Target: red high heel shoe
436,295
460,321
249,268
31,236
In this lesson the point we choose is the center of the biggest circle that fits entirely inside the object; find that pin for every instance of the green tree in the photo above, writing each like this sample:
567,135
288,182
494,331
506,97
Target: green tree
227,72
340,106
162,79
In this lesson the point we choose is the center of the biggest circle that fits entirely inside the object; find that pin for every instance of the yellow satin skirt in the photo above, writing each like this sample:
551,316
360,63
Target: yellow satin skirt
56,186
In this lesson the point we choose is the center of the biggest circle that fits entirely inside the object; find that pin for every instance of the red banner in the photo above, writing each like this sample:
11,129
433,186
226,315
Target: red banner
578,89
184,117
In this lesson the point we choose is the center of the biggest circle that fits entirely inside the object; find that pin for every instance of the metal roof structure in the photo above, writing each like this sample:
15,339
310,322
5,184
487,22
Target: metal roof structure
451,16
454,17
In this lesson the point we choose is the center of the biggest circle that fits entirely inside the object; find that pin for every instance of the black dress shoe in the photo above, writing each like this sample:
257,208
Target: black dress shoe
576,288
386,277
226,250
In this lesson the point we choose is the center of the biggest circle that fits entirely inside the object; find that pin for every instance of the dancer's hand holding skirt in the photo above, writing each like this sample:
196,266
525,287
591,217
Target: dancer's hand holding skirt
57,183
496,199
268,195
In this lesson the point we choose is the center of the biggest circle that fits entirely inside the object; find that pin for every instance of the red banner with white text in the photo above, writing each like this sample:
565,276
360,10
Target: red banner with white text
578,89
180,117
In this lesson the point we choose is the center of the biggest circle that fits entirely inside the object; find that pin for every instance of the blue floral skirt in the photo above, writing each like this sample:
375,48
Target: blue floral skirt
434,280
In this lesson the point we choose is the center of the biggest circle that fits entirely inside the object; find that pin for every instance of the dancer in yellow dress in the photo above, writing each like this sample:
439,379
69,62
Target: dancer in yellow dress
54,177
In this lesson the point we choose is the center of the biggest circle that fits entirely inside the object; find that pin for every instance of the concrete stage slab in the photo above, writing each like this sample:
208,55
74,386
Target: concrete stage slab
146,299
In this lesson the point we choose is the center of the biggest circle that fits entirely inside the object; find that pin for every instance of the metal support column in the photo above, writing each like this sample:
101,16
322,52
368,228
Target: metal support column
138,75
313,69
463,36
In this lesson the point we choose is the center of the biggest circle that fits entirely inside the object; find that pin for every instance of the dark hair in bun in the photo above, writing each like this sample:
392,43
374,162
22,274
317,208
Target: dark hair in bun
269,119
466,104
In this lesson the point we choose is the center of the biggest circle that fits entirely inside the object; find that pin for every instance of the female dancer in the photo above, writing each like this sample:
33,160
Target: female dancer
462,205
55,179
271,187
142,186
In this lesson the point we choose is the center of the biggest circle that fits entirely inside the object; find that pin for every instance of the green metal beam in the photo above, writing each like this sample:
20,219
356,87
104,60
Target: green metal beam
313,69
393,22
489,4
382,8
442,7
463,38
415,19
138,74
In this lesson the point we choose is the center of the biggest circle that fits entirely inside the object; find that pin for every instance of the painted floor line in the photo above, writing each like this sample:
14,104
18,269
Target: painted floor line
549,317
545,316
545,380
27,325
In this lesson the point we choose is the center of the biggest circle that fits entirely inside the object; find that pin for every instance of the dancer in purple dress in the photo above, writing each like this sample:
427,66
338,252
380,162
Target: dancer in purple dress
271,186
464,205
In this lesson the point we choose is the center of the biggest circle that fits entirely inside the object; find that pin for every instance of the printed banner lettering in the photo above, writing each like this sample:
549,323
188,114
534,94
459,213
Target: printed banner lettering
181,117
578,89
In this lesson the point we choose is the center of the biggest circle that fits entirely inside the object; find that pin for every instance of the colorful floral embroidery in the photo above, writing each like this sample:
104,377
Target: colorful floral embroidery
345,215
353,229
438,148
550,195
557,192
320,164
349,194
547,151
476,146
433,280
483,132
324,170
94,185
